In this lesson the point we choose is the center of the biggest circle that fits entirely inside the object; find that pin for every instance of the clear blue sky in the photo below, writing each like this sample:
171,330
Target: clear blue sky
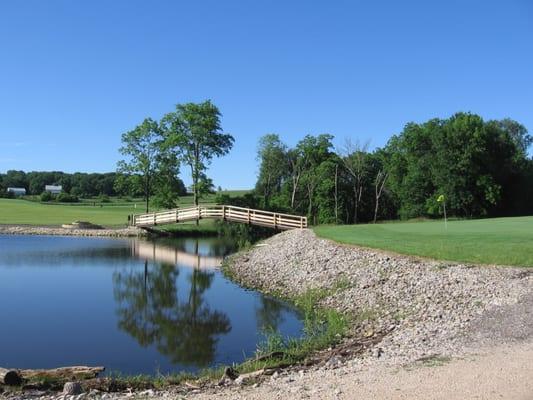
74,75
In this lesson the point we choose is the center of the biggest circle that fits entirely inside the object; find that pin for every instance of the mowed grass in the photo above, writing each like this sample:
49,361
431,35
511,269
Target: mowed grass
30,213
505,241
112,214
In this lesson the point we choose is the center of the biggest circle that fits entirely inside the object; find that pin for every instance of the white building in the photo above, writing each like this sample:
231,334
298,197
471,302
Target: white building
17,191
54,189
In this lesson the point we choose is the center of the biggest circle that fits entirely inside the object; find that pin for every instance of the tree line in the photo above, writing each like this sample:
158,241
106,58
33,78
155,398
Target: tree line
481,168
77,184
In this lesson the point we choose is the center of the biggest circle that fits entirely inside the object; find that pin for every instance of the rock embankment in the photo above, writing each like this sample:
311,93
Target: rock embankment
423,308
47,230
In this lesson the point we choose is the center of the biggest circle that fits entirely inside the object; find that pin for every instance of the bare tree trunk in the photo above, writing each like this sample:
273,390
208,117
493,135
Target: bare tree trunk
310,209
195,179
295,180
379,184
356,204
147,191
336,194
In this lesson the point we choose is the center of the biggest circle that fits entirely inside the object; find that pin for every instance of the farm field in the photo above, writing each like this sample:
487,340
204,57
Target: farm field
111,214
505,241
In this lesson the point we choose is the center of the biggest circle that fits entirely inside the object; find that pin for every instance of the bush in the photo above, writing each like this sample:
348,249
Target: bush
104,198
7,195
67,198
46,196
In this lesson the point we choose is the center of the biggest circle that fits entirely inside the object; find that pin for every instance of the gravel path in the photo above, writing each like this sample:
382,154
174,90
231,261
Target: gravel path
503,373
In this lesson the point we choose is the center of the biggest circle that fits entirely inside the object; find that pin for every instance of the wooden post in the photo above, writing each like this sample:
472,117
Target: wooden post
155,223
223,213
275,222
249,220
177,215
301,222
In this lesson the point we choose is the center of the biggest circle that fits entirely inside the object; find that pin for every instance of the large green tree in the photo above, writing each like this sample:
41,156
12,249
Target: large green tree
142,147
193,131
273,163
473,163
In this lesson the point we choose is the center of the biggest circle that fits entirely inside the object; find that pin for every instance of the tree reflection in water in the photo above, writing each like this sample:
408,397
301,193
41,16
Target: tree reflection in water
149,309
269,314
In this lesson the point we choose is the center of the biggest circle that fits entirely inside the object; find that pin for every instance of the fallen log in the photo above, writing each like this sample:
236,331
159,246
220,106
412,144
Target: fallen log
10,377
67,373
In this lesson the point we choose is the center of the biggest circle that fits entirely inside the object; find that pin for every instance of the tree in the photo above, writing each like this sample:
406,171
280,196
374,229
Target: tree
194,132
272,155
142,146
478,166
313,150
354,158
167,186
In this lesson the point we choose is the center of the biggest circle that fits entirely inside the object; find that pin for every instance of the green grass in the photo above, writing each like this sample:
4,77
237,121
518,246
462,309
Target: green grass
206,227
112,214
30,213
505,241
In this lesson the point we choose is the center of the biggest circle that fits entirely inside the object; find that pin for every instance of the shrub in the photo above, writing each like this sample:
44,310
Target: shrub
46,196
67,198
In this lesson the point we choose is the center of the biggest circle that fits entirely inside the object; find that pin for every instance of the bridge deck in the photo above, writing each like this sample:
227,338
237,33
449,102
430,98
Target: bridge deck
227,213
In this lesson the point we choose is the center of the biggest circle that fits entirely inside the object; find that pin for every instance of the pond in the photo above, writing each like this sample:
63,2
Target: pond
131,305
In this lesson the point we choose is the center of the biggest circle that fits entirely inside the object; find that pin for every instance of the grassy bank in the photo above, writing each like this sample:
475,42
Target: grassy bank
110,214
505,241
206,227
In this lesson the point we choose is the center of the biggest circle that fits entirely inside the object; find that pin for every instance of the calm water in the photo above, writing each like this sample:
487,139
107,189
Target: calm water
132,306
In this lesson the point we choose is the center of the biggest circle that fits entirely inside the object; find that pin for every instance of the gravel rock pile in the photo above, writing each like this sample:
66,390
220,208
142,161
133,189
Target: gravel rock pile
424,307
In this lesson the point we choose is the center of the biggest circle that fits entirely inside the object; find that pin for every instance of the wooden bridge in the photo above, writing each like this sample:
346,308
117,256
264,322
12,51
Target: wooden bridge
226,213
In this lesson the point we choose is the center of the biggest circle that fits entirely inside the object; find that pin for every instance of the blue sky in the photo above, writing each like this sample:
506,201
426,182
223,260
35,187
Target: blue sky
75,75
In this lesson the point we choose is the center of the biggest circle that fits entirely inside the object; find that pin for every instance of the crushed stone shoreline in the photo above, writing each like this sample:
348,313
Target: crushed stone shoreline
423,307
59,231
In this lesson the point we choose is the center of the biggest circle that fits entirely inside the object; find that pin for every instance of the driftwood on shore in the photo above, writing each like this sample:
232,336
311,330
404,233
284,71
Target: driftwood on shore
10,377
14,377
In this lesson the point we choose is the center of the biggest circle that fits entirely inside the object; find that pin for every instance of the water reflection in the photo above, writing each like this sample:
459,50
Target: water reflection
150,310
134,306
159,252
269,314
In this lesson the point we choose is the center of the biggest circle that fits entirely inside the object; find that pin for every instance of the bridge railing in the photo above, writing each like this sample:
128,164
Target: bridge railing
229,213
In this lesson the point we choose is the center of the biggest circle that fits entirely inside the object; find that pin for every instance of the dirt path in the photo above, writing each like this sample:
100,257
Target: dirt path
503,373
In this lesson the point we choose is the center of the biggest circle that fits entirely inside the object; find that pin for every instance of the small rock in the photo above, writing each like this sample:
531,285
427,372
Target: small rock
72,388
